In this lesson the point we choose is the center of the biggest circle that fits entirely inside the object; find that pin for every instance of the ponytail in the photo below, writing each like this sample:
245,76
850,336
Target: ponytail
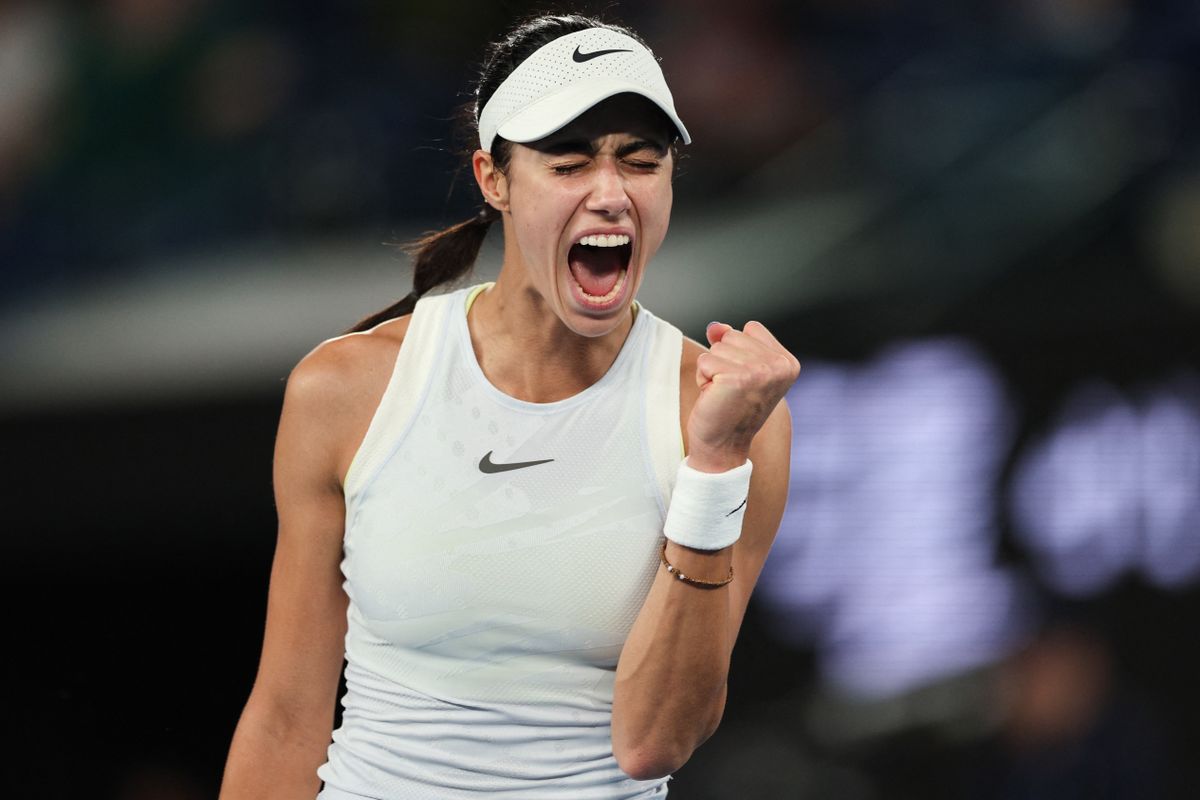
439,257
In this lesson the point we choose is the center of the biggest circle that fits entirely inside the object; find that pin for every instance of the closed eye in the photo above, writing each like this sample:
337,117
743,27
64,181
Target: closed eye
567,169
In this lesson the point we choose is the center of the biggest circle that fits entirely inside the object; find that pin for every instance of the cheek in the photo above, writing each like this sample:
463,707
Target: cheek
656,215
540,216
529,221
668,199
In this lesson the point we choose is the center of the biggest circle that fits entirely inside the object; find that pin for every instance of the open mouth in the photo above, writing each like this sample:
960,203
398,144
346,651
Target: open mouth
599,264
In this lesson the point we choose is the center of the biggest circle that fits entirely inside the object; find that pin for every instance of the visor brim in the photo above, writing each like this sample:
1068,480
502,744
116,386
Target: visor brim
554,111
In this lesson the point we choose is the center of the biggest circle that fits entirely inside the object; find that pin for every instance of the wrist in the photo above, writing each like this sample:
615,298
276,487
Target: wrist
710,460
704,569
707,508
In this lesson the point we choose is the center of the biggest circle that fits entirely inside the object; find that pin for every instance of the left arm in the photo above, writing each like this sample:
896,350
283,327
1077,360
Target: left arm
671,678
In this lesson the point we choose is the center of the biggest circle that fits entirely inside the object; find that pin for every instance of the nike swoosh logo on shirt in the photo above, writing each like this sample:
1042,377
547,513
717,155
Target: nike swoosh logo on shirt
486,465
579,57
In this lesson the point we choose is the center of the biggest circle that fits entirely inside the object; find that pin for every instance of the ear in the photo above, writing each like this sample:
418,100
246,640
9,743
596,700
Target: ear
492,182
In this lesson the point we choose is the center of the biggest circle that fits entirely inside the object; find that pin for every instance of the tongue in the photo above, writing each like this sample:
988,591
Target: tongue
596,268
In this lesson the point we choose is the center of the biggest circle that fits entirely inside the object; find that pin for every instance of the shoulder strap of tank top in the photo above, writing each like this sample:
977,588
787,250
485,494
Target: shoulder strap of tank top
664,436
423,341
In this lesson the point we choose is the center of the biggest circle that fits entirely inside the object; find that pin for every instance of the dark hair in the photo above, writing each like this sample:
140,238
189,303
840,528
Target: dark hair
440,257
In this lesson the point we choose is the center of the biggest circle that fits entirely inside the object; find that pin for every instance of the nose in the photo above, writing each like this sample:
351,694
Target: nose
608,196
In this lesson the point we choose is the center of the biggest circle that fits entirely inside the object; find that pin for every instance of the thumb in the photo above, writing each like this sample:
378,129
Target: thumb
715,331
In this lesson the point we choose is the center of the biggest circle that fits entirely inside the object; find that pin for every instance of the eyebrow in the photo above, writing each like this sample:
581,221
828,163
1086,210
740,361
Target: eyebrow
586,147
641,144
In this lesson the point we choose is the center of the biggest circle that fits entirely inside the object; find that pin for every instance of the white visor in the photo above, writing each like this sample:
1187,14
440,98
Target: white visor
565,78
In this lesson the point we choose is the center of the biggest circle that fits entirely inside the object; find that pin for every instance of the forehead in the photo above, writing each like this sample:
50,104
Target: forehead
625,116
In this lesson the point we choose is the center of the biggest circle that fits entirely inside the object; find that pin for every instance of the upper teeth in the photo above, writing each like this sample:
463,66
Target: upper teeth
602,240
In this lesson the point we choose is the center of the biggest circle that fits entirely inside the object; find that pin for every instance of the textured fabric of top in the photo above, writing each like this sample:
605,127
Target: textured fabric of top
488,608
565,78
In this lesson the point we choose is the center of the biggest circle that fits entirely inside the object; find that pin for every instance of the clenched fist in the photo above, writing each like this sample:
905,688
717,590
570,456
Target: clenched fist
742,377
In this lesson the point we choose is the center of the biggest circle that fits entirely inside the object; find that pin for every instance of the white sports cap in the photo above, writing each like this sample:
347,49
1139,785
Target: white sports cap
565,78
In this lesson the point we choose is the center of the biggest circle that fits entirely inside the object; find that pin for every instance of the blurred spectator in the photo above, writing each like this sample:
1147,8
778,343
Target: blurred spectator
184,124
154,781
155,103
1073,27
742,81
32,65
1071,730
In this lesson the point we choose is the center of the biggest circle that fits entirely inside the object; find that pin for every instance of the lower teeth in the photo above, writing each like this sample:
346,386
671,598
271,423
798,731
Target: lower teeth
603,298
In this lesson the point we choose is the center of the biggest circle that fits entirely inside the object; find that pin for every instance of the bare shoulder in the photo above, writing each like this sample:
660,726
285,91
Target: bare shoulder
340,368
334,390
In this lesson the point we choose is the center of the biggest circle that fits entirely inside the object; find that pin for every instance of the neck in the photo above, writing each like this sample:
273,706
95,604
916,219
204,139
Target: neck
527,352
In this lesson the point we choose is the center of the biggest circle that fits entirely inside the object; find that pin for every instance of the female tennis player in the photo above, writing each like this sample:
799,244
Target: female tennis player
484,501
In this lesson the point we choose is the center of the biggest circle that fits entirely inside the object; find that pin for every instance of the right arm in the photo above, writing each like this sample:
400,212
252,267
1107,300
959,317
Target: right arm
284,731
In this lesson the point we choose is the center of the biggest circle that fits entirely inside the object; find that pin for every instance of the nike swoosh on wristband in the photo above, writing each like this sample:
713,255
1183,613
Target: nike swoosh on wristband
486,465
579,57
731,513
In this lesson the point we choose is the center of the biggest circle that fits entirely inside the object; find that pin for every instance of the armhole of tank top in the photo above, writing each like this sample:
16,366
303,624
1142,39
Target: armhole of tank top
664,436
402,398
474,292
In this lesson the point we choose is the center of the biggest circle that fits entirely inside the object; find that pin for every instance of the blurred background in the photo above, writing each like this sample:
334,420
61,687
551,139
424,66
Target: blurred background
977,223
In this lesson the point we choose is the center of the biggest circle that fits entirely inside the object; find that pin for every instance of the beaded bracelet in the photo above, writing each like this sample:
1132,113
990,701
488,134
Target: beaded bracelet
690,581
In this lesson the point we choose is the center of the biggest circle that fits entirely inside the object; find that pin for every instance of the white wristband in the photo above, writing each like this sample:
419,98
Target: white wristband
707,507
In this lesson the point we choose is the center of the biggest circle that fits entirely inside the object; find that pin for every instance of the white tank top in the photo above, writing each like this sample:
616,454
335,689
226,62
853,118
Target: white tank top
496,555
